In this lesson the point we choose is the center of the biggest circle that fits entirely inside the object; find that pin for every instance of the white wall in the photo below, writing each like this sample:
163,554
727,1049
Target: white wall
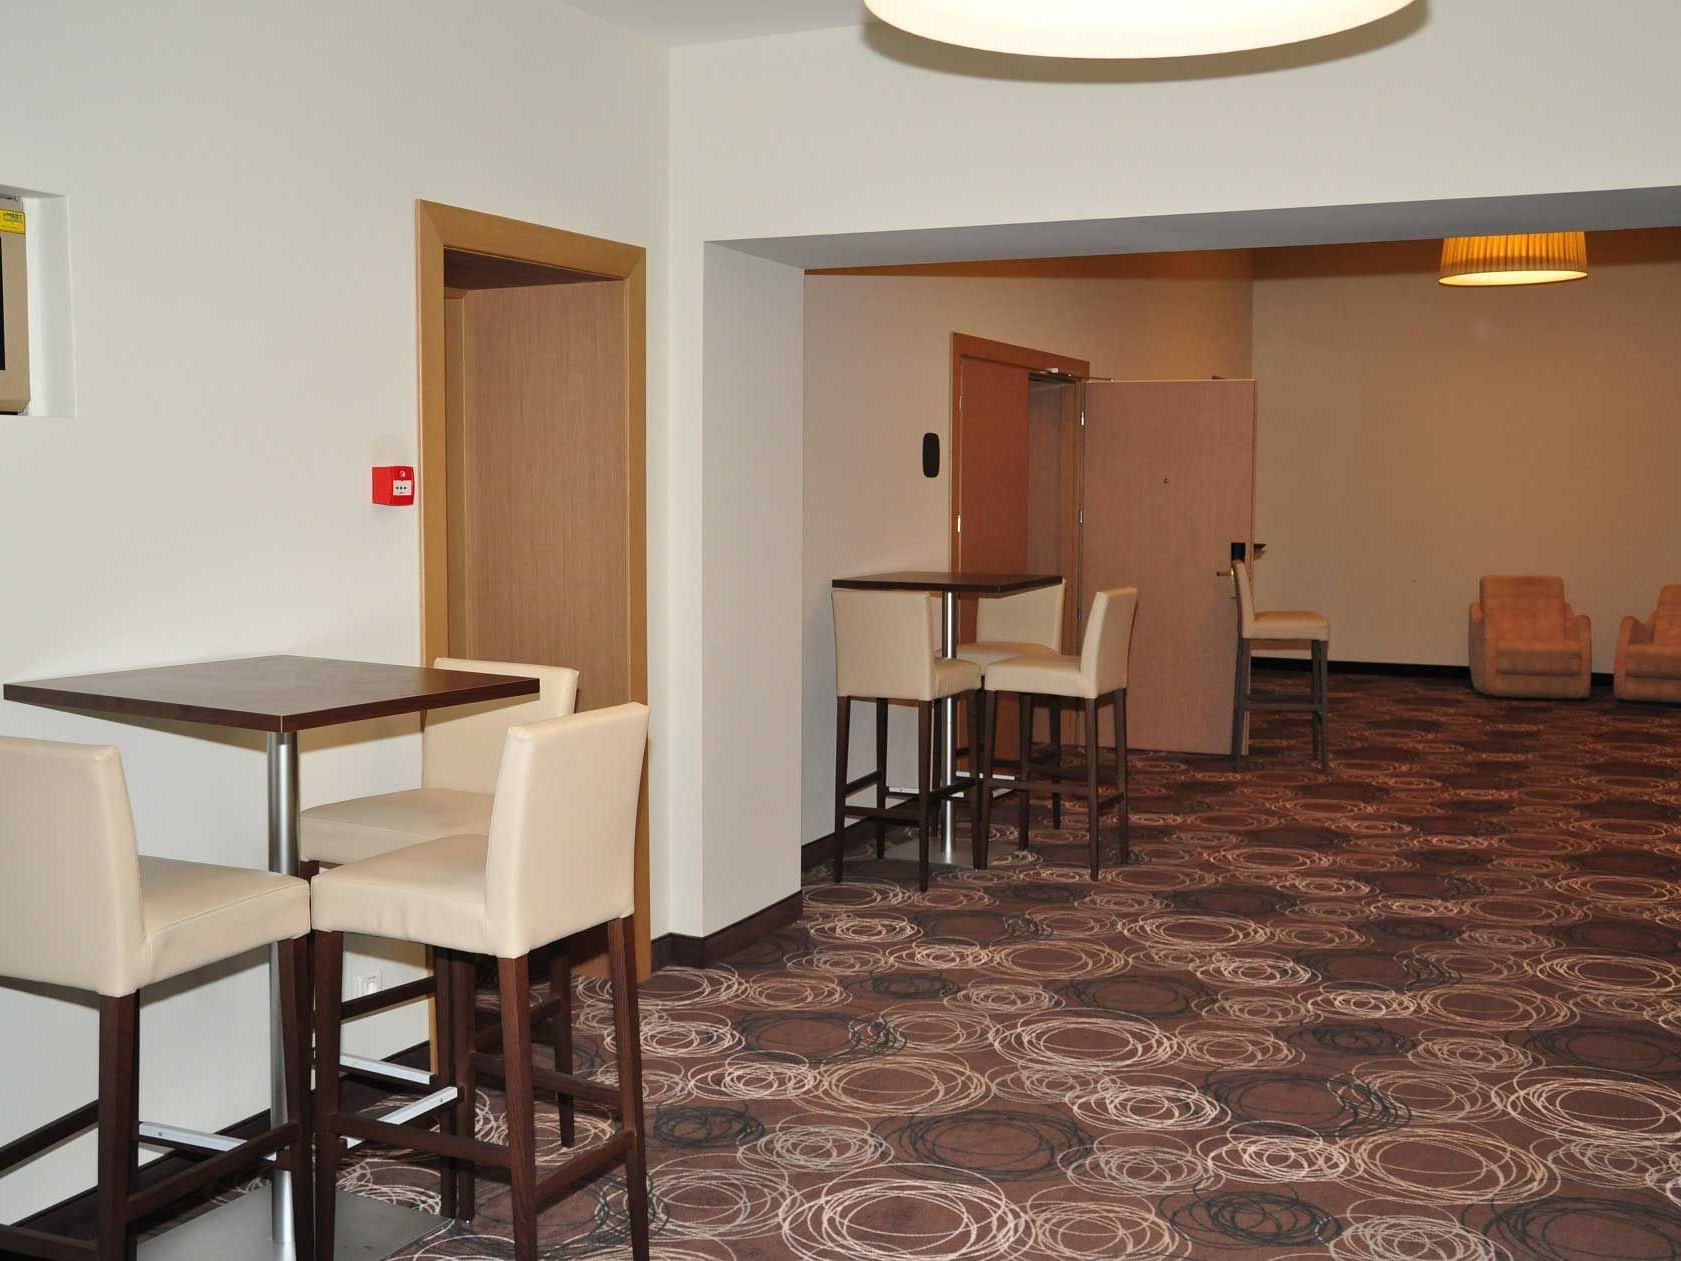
1414,437
878,376
240,184
752,645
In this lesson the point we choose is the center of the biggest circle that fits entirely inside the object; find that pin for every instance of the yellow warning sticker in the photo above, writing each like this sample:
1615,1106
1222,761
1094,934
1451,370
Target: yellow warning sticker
11,221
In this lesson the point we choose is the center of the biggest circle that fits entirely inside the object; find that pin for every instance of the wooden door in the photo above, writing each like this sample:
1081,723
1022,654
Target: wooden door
538,484
1169,486
990,493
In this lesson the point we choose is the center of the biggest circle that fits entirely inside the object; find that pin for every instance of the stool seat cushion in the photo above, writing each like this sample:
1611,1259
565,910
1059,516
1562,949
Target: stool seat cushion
953,675
432,893
1042,674
365,827
194,914
1291,624
993,651
1655,661
1561,656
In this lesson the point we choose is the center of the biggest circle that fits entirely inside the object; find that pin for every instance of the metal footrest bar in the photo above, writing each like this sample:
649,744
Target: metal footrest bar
362,1066
411,1111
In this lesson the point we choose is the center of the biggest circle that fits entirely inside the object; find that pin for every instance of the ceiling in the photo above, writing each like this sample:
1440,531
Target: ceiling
702,21
1315,225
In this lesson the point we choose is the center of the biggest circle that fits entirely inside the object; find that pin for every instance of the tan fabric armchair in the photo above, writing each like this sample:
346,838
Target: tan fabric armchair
1649,652
1527,641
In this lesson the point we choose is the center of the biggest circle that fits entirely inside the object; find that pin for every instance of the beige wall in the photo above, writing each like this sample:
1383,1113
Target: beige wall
877,377
1414,437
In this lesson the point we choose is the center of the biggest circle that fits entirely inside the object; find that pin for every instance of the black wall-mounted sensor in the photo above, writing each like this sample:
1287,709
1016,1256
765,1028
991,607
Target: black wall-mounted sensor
930,455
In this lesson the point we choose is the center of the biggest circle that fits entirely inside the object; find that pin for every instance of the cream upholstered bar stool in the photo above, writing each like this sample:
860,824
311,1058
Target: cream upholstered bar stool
558,858
884,651
80,907
1027,624
1098,674
460,751
1277,627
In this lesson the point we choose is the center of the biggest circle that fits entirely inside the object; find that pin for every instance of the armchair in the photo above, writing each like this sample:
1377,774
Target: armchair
1649,653
1527,641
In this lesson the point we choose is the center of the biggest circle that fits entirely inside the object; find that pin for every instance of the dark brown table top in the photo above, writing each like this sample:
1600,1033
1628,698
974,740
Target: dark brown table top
962,582
270,693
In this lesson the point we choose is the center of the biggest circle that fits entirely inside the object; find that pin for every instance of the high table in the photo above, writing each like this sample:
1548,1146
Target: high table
949,584
281,696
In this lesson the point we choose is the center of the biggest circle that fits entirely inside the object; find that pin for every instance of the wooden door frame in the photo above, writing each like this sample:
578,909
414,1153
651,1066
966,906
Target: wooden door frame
438,228
968,346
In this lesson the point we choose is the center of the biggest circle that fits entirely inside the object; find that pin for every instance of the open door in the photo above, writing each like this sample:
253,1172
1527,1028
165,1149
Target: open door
1169,486
1014,423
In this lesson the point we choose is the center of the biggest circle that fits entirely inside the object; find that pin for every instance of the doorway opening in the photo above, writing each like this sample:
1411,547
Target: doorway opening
532,456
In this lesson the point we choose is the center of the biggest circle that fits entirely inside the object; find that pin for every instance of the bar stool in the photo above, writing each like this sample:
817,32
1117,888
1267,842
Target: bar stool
1099,673
81,908
884,651
460,751
1024,625
1272,628
559,858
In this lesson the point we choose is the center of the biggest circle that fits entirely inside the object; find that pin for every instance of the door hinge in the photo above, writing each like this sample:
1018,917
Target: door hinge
1080,517
1082,418
960,523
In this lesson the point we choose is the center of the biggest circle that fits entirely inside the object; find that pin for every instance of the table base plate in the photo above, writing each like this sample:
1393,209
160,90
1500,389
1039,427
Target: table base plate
367,1230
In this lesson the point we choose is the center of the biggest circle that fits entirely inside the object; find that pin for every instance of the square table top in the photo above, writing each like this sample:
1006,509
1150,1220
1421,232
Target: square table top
277,693
960,582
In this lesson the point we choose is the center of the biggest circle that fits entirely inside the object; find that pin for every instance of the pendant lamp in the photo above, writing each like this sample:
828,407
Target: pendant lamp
1535,258
1128,28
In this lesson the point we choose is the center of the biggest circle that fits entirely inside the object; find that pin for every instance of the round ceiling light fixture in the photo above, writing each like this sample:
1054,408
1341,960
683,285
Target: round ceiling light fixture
1128,28
1532,258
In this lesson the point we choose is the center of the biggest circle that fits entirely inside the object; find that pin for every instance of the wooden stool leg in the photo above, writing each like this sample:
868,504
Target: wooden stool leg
514,976
1092,811
1240,702
983,828
560,1034
443,976
1322,700
977,764
294,1043
463,1029
119,1123
1024,725
1121,774
327,965
924,777
881,776
627,1033
843,733
1056,758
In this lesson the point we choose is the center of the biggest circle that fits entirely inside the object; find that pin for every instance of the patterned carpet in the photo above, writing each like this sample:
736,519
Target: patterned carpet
1424,1008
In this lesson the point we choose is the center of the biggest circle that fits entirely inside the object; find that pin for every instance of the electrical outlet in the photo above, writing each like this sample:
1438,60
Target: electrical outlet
368,984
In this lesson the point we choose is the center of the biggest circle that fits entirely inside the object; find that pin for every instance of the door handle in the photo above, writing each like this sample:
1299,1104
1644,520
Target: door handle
1222,573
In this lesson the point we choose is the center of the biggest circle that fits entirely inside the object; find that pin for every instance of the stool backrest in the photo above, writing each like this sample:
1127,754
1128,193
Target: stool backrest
69,871
1107,647
562,849
1245,598
1666,618
1030,617
461,747
883,644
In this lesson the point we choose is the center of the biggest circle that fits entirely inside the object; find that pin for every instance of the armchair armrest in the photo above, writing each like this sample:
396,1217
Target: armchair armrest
1481,651
1580,628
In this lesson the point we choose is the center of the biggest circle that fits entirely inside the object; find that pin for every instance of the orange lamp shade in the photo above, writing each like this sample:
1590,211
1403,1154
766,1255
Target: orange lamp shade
1535,258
